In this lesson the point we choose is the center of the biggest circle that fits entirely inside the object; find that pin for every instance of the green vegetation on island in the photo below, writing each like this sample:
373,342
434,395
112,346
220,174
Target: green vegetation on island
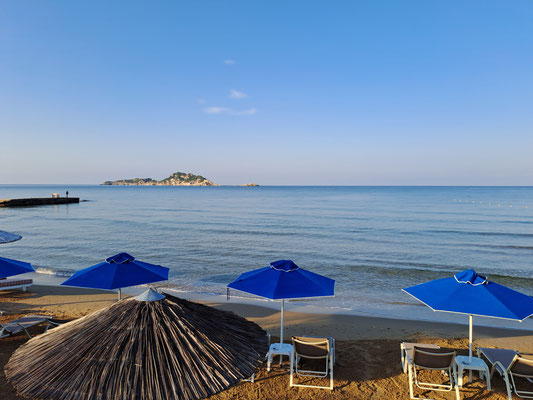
176,179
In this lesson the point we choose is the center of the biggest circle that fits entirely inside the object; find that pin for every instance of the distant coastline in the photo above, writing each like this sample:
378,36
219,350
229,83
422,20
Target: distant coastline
175,179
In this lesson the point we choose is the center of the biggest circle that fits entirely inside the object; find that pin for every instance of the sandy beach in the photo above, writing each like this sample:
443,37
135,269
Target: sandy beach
368,356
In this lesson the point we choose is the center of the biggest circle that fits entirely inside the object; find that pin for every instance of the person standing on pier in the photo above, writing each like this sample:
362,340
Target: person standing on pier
67,194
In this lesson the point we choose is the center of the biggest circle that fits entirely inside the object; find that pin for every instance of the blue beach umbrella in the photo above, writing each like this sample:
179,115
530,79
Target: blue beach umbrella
10,267
472,294
7,237
284,280
121,270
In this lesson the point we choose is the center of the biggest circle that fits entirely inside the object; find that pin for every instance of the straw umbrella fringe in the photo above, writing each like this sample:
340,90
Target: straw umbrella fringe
135,350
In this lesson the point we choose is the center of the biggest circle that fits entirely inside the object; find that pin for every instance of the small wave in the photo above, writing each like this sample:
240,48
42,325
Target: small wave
433,271
502,246
55,272
385,263
481,233
515,222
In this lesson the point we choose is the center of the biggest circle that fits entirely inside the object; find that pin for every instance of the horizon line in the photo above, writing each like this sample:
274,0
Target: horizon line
258,185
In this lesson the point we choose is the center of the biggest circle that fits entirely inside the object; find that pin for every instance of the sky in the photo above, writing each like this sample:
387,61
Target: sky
368,92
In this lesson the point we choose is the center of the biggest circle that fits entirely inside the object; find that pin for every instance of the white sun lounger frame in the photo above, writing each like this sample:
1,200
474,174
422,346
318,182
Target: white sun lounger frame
23,323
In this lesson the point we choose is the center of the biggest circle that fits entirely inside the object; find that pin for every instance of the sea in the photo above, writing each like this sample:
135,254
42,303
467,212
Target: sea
373,241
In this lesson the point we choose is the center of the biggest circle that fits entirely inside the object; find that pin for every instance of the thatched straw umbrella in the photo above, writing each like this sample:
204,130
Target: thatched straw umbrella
142,349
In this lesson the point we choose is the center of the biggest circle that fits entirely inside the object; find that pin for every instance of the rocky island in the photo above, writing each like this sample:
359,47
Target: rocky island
176,179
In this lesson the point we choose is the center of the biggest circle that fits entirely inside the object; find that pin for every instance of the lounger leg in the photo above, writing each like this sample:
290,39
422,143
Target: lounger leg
412,396
454,377
269,361
402,357
508,384
331,372
27,333
292,368
333,350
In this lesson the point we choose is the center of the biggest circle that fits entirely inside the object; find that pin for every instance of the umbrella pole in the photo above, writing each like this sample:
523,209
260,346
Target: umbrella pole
470,338
119,293
281,335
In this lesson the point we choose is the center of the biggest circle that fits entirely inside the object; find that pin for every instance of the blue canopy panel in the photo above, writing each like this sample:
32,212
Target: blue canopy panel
119,271
10,267
470,293
284,280
7,237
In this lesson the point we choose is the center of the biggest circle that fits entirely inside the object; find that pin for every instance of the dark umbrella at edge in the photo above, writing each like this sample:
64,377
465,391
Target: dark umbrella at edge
9,267
8,237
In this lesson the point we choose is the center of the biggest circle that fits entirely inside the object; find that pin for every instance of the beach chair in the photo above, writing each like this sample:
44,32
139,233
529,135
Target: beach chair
314,349
23,324
510,365
408,348
432,359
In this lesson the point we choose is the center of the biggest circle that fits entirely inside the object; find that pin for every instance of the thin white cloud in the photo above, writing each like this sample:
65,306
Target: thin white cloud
217,110
225,110
201,101
250,111
235,94
230,62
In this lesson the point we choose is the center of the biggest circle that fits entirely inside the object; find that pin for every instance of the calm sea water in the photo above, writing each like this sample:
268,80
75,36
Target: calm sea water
372,240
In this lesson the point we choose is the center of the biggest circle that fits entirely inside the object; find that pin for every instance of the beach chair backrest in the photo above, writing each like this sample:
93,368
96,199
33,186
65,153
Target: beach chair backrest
433,358
522,366
311,347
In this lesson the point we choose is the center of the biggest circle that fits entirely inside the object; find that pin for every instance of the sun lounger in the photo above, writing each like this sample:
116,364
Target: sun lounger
509,364
315,349
437,359
407,348
23,324
10,284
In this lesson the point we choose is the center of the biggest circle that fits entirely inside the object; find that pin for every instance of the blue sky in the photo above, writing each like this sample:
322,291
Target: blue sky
274,92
